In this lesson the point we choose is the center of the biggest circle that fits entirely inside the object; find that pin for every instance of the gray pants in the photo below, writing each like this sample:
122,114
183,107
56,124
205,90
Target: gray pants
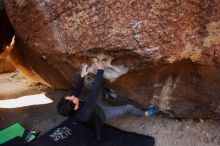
116,111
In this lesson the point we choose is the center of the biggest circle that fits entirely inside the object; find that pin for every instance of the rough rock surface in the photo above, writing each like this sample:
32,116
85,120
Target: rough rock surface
165,51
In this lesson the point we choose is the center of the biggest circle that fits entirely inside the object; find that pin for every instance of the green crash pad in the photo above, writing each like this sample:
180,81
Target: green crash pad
15,130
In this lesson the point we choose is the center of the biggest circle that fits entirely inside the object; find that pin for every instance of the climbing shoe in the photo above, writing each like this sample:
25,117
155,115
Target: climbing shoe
151,111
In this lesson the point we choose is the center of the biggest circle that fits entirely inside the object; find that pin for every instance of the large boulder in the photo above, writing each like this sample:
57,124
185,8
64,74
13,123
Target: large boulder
163,52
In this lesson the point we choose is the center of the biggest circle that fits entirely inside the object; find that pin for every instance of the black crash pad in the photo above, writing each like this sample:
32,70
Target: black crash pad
17,141
70,133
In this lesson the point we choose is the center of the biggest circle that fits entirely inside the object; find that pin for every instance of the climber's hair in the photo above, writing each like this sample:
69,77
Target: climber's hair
65,107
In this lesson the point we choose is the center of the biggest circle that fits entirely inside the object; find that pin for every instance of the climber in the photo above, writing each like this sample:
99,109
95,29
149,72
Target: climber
91,112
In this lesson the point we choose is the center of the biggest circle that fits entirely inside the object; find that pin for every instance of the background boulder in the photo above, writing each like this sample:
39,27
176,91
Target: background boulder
7,32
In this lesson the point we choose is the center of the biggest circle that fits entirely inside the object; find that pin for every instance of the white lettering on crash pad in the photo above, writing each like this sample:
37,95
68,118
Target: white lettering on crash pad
60,133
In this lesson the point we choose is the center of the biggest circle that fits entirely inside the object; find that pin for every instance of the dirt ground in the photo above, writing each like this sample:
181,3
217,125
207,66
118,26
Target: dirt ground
166,131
